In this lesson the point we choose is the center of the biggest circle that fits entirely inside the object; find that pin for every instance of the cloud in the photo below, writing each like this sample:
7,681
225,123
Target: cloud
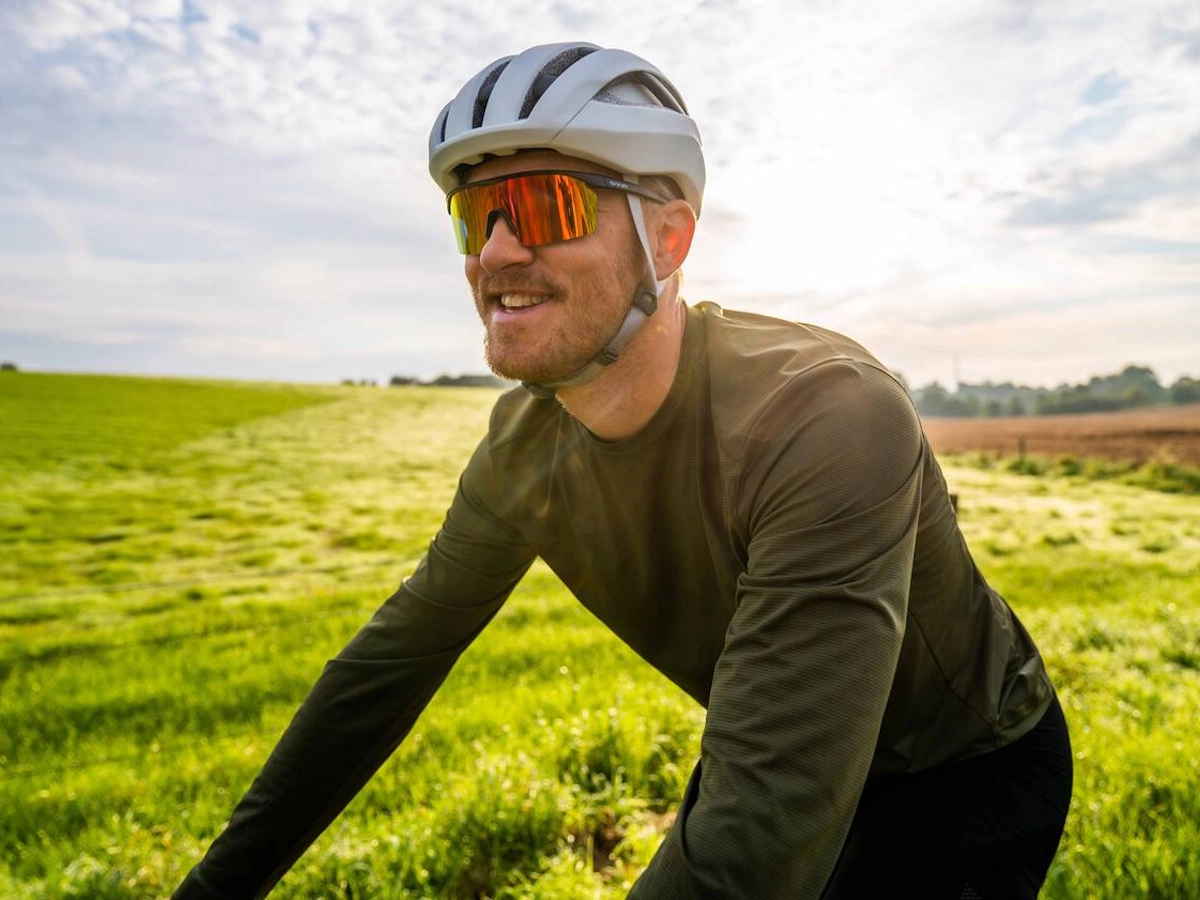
1082,196
1103,88
242,186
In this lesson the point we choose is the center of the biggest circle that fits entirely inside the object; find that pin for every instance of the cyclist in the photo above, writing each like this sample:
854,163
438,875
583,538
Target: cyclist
749,503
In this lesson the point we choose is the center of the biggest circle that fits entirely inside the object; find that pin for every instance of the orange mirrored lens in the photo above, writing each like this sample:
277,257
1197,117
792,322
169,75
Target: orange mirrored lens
542,208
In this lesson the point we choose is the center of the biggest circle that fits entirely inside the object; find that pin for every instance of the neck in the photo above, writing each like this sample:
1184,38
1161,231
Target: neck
619,402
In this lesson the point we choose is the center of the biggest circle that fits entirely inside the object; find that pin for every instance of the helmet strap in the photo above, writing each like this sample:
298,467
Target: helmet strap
641,308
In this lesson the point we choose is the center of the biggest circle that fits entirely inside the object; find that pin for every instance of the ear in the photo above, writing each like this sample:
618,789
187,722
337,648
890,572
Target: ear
672,225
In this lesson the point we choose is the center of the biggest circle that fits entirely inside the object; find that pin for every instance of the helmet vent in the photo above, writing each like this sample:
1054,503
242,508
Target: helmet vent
640,89
542,81
485,94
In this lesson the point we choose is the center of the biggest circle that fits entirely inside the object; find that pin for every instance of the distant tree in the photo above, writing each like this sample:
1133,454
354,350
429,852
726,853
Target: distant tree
469,381
932,399
995,399
1047,404
1135,395
1135,385
398,380
8,366
1185,390
1142,381
935,400
1079,398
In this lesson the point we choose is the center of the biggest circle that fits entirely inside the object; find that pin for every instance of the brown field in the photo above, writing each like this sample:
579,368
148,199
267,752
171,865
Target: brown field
1164,433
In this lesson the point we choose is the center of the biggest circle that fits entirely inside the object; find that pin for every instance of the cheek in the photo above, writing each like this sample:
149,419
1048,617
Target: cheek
474,272
623,257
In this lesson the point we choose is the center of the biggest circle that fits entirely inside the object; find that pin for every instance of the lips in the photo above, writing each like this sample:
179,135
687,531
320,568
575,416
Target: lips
512,292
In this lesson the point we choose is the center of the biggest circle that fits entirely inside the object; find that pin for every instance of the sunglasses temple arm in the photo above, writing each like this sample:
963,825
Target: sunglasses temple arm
639,223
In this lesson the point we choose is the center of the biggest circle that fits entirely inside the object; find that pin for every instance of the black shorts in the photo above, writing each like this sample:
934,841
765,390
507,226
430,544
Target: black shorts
985,827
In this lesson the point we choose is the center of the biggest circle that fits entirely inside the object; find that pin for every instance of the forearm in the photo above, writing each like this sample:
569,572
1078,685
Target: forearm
785,755
354,718
369,697
358,712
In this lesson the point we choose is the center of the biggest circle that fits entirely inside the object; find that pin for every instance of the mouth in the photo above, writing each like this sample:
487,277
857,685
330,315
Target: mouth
520,301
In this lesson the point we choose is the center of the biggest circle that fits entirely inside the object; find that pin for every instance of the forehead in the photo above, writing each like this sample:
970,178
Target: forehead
529,161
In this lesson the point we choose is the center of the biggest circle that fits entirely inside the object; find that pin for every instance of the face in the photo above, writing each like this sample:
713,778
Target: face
548,310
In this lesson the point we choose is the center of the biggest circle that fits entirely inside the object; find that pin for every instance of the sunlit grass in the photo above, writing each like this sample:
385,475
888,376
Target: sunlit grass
162,617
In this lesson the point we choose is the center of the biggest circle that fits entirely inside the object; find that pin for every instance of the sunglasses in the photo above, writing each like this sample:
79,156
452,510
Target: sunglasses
540,207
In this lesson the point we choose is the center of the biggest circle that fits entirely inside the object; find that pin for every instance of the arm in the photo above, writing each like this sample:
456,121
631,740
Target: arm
798,694
366,700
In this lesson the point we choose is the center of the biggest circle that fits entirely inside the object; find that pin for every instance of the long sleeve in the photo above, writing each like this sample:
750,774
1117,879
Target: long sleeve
366,700
829,502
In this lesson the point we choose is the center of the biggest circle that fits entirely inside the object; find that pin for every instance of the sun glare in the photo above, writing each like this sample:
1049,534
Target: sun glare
827,231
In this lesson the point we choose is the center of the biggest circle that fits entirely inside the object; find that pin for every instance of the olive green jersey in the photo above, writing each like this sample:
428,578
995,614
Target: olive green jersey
778,541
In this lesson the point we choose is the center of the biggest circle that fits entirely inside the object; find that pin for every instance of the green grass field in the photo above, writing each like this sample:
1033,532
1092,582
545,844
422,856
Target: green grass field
179,558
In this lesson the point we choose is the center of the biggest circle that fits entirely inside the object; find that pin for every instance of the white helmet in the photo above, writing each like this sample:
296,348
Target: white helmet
606,106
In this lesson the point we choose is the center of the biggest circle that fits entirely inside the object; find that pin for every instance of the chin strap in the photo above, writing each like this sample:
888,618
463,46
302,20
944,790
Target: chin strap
641,308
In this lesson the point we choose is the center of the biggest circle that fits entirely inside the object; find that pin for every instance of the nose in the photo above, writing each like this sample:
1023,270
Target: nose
503,249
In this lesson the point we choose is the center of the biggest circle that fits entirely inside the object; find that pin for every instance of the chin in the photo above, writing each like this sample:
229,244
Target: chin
507,368
507,360
521,373
526,370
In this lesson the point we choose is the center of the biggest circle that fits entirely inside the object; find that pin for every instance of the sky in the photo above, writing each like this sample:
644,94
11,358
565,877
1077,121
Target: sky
1002,190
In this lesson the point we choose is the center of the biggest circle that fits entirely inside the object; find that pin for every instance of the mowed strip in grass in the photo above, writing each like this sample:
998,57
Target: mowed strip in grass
156,640
121,422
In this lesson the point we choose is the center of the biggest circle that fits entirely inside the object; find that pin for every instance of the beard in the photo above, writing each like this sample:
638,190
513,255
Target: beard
576,327
561,355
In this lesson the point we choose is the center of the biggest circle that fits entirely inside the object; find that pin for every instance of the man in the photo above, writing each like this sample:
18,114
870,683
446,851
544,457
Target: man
749,503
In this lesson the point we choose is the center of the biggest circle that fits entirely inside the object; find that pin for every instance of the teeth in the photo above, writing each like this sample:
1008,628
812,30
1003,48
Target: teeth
519,301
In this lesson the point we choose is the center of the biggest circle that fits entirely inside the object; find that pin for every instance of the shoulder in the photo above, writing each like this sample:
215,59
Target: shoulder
761,367
799,410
